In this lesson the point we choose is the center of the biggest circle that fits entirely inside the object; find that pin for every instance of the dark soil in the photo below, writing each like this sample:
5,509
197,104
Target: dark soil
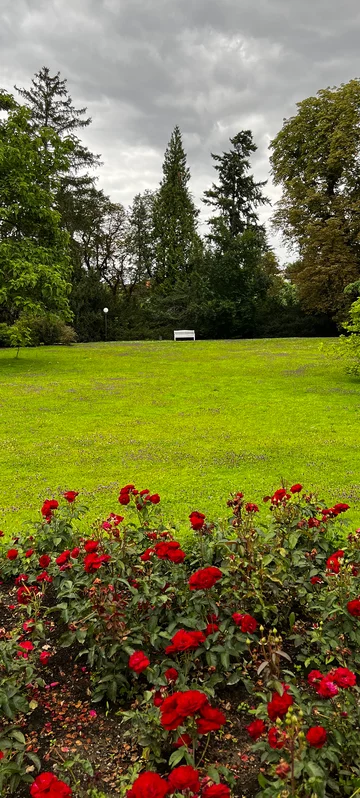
65,724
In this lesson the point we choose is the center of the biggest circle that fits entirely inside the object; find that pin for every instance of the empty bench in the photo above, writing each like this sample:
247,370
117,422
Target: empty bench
188,335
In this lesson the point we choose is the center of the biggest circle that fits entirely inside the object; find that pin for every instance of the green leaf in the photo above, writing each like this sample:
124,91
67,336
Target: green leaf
35,759
234,678
177,756
66,640
214,774
18,735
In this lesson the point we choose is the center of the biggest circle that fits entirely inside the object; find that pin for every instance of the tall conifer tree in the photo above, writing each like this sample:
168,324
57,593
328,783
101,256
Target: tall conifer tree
51,106
175,217
237,241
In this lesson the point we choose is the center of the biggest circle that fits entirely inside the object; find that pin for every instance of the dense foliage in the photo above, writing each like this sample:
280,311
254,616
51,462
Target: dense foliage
34,259
315,160
147,263
270,605
349,345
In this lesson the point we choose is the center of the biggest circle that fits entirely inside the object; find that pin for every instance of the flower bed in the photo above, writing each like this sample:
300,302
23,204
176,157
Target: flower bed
199,665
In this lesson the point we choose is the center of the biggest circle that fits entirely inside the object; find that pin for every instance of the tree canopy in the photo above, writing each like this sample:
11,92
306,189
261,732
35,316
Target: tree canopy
34,256
316,161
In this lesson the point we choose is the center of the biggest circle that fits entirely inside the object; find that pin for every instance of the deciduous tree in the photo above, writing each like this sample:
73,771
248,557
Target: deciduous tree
316,161
34,254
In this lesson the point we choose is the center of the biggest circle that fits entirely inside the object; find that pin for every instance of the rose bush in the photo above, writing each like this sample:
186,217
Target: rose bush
271,605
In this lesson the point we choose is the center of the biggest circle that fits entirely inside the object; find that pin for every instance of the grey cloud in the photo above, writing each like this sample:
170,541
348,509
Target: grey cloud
211,66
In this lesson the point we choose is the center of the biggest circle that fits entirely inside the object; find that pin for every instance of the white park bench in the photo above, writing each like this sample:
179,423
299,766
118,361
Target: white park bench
187,334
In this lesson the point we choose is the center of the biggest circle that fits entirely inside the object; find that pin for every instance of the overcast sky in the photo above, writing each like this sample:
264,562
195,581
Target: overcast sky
213,67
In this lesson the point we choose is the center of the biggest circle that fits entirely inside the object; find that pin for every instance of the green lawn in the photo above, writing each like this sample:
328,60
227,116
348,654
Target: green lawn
190,421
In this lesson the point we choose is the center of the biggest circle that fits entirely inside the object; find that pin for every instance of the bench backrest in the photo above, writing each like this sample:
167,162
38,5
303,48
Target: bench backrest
184,334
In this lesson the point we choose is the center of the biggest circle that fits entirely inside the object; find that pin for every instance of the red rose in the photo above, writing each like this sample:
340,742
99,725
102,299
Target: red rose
163,548
70,495
28,625
46,785
176,556
12,554
44,577
343,677
147,555
211,719
26,647
75,553
204,578
92,562
21,579
29,552
341,508
246,622
279,705
184,778
326,688
154,499
279,496
276,738
91,546
25,594
48,506
171,675
170,717
44,657
63,558
185,641
184,739
124,499
138,662
148,785
316,736
296,488
251,508
314,676
115,519
256,729
353,607
313,522
44,561
332,563
211,629
197,520
158,699
316,580
216,791
283,769
190,702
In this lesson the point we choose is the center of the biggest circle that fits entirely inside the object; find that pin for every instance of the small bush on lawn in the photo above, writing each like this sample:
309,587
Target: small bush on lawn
272,605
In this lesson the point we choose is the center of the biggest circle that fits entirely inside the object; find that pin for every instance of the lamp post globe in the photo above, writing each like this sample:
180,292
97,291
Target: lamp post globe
105,311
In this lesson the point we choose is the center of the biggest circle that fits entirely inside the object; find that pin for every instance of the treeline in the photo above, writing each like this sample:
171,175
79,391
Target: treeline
67,250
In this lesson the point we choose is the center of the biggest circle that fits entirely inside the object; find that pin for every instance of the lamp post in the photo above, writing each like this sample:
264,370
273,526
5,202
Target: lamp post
106,311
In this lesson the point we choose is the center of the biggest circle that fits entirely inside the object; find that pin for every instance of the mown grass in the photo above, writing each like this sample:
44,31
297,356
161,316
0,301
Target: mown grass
190,421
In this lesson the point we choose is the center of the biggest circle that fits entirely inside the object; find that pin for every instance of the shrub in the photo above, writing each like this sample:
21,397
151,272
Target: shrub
271,604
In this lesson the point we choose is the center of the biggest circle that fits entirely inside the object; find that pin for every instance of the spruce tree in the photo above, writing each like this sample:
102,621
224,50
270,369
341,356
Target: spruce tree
51,106
140,238
237,241
175,217
236,195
